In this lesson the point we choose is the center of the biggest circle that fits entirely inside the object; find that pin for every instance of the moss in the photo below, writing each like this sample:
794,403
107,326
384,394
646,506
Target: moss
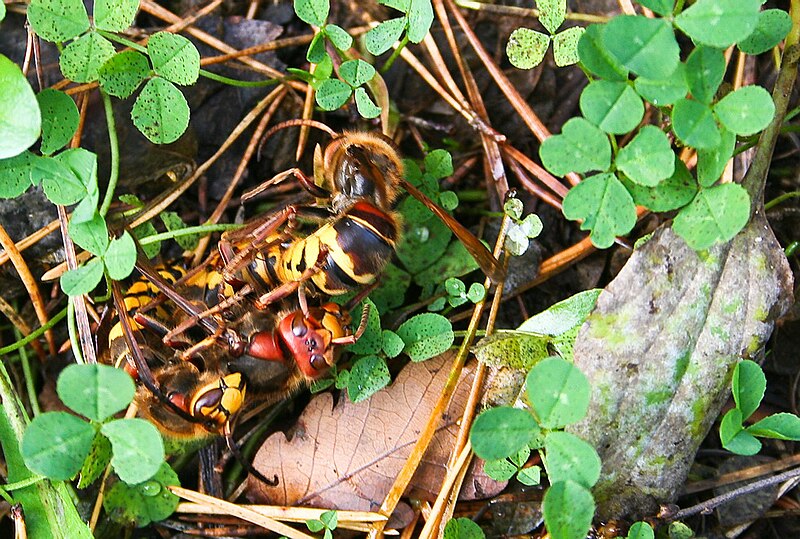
681,364
657,397
607,327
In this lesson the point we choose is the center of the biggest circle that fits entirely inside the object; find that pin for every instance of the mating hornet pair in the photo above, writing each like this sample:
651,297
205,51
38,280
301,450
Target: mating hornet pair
201,389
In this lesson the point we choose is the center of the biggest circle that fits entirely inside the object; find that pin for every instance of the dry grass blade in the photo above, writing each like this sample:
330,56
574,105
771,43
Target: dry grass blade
240,170
221,507
350,520
30,285
520,105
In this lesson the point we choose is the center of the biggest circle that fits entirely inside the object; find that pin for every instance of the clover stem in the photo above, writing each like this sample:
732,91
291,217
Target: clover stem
113,143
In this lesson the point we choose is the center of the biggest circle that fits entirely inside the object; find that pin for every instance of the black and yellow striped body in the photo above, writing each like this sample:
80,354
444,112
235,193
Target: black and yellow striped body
357,245
139,294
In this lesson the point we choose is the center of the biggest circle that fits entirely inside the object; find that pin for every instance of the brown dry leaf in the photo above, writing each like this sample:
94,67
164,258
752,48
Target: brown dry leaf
346,457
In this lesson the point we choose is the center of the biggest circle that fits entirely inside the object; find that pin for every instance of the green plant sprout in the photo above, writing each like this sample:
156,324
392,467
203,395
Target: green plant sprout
132,446
646,170
557,395
749,384
327,521
333,93
526,48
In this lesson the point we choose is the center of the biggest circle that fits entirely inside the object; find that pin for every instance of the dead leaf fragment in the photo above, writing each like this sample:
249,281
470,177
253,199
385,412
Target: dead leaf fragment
346,457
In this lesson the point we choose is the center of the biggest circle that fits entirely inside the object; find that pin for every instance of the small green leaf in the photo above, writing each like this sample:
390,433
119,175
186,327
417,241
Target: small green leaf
501,432
693,123
711,162
730,429
60,119
120,258
772,27
455,287
368,375
679,530
662,7
356,72
420,18
605,207
531,476
122,74
526,48
499,469
339,37
568,509
439,164
715,215
564,315
15,174
58,20
2,11
316,51
114,15
558,392
144,230
174,57
748,386
315,526
20,119
476,292
83,279
144,503
312,11
514,207
392,344
81,59
645,46
705,68
381,38
83,164
612,106
426,335
580,147
60,184
90,234
463,528
746,111
719,23
565,46
648,158
371,341
596,58
55,444
95,391
96,462
666,91
552,13
160,112
670,194
364,104
570,458
641,530
448,200
172,221
330,519
783,426
138,449
332,94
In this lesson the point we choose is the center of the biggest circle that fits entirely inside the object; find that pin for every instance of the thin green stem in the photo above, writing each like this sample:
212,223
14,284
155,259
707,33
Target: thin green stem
188,231
113,143
678,7
22,484
239,83
777,200
34,334
122,41
792,248
28,374
7,497
395,54
73,331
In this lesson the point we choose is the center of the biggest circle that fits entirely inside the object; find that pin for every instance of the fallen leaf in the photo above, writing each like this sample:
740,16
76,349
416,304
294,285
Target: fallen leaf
346,457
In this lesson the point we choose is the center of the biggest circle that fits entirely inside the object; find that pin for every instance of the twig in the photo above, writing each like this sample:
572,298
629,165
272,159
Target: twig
722,499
